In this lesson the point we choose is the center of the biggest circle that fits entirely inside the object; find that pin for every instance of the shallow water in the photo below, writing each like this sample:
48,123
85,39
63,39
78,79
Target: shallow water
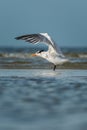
38,99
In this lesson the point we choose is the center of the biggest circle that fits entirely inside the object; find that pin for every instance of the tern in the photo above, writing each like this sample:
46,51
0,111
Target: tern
53,54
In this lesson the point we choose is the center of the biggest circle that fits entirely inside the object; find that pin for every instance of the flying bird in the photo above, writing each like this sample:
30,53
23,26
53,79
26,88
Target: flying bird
53,54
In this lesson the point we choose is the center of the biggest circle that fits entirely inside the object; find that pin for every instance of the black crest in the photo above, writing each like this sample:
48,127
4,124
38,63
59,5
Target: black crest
40,51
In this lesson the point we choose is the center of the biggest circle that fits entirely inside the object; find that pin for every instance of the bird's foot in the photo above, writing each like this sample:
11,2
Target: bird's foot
54,67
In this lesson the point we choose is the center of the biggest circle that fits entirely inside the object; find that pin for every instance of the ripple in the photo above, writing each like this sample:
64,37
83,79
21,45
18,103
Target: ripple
38,95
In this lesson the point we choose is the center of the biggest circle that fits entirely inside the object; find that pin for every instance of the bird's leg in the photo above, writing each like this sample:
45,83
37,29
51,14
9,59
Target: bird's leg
54,67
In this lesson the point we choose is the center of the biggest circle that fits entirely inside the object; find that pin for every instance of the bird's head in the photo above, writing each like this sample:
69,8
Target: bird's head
38,53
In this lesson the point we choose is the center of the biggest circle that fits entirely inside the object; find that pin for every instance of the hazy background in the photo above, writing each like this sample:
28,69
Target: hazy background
64,20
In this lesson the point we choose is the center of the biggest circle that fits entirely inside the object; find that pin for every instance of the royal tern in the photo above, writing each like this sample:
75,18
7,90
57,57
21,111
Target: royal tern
53,54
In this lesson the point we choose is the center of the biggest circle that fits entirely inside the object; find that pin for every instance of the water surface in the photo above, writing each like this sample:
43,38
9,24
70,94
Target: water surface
38,99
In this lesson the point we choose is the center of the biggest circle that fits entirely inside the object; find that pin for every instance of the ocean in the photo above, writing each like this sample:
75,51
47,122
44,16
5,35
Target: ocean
34,97
20,58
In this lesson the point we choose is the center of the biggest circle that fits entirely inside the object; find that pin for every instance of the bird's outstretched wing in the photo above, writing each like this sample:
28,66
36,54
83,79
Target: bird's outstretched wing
41,37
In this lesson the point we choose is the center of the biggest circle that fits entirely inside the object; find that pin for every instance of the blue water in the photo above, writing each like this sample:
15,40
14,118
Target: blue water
38,99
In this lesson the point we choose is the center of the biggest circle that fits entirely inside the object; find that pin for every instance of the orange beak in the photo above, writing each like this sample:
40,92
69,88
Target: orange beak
34,54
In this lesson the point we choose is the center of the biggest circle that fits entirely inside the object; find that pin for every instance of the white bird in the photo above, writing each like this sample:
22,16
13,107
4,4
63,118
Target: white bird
53,54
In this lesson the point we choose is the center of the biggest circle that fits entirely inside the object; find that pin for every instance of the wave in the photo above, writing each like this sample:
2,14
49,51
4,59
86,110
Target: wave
28,55
82,55
15,55
21,58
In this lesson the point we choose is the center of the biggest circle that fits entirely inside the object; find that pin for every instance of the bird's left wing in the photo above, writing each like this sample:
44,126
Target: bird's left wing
33,38
43,38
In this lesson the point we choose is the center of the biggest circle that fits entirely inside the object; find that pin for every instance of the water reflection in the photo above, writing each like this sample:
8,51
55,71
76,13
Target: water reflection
48,73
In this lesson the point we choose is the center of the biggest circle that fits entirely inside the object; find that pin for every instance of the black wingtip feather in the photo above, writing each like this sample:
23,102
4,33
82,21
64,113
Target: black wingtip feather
18,38
24,37
21,37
